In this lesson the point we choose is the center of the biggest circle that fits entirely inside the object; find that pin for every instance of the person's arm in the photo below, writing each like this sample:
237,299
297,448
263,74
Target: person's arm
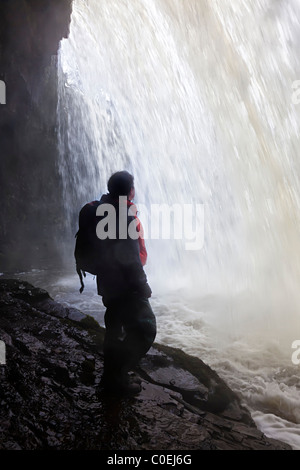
142,246
140,230
130,262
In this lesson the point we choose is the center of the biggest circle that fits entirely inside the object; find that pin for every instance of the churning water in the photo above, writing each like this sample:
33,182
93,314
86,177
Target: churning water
198,100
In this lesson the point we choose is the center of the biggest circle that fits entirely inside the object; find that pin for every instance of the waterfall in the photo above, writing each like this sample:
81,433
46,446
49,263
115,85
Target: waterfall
197,99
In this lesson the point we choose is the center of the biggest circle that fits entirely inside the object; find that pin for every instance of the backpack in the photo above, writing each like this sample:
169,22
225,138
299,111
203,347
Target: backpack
87,246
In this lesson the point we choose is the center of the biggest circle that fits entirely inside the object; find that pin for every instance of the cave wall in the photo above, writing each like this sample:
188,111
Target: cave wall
30,189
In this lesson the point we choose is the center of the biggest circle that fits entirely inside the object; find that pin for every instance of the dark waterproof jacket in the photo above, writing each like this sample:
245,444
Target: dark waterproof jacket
121,272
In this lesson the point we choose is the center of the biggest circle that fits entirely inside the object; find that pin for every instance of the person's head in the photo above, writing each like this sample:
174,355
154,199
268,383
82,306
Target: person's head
121,183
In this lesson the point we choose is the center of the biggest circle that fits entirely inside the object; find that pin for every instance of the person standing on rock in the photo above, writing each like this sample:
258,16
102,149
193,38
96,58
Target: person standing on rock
121,281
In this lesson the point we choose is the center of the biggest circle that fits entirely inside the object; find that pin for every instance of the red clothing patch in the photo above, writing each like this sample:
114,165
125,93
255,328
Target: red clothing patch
143,251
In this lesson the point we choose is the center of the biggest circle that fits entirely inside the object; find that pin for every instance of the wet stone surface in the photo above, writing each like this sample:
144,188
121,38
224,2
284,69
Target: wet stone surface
50,396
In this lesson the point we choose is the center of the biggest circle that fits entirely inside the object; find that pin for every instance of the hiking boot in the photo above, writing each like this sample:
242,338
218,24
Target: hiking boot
131,388
116,386
134,378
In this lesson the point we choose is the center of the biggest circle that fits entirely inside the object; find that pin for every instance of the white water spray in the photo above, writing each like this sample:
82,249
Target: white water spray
196,99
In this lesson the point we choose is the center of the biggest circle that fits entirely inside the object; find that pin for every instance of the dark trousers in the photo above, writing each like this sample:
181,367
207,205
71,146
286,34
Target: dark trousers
130,331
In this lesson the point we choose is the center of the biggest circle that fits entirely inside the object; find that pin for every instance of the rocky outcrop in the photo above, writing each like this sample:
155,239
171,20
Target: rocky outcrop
50,396
30,193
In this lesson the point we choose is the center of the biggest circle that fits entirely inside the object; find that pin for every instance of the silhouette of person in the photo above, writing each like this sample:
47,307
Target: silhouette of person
121,281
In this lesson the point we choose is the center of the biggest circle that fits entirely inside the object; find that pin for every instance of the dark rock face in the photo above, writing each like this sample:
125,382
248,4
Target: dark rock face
50,396
31,207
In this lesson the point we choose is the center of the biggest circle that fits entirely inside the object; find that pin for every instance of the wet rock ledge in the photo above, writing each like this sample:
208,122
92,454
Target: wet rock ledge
50,398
